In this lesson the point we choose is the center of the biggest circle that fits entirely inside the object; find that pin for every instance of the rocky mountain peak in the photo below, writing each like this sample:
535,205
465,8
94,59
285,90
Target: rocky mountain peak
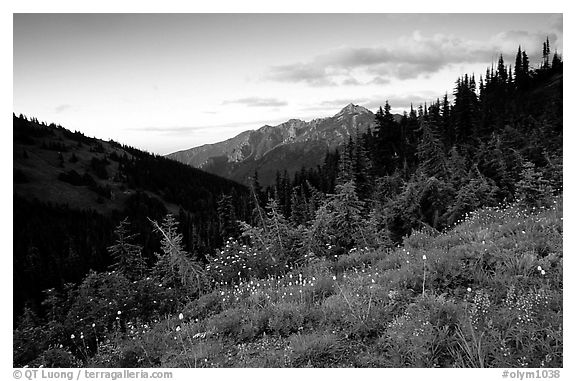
351,108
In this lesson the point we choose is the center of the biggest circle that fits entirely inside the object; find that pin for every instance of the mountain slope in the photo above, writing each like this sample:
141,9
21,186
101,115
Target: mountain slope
288,146
70,191
53,164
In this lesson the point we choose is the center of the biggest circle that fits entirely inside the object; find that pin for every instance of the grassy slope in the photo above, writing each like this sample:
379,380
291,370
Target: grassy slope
37,167
484,303
41,168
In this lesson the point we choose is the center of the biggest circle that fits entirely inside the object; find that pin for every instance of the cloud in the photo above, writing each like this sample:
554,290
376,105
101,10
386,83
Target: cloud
61,108
379,81
330,106
257,102
341,102
408,57
507,43
308,73
192,130
401,101
351,81
556,22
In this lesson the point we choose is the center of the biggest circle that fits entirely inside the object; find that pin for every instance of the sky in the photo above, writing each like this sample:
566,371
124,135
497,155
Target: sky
167,82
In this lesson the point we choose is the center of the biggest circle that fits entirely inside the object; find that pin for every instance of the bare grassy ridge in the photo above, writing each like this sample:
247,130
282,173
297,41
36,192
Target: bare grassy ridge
492,297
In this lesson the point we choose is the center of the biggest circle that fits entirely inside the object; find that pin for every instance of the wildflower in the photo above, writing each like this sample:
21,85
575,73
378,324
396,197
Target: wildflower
334,277
539,268
72,336
181,316
543,272
469,289
424,257
119,312
93,325
178,329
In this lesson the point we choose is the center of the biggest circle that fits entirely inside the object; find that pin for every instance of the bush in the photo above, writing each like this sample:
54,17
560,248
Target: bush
320,350
355,259
237,261
266,352
286,319
204,306
322,288
227,323
255,323
57,358
419,337
533,189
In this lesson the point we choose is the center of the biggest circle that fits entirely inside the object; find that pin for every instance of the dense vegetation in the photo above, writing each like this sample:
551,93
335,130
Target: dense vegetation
435,241
70,191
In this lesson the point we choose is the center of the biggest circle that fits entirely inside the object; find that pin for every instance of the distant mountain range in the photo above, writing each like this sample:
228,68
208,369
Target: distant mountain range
288,146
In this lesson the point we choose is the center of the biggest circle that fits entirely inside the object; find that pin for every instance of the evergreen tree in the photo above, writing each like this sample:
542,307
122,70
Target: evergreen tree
175,266
431,152
447,133
525,64
518,72
386,155
556,62
363,172
339,225
346,171
532,189
299,214
227,220
546,54
465,110
501,71
474,194
127,256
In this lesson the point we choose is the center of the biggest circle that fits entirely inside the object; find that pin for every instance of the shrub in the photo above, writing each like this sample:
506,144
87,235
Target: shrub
204,306
266,352
322,288
319,350
201,354
419,336
286,319
355,259
532,189
255,323
57,358
227,323
237,261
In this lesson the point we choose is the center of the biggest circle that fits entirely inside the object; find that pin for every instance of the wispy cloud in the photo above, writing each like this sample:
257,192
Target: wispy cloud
184,130
409,57
257,102
61,108
402,101
309,73
379,81
341,102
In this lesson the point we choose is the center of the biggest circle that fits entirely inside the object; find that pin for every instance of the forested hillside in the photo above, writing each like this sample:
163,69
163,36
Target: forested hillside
70,191
433,241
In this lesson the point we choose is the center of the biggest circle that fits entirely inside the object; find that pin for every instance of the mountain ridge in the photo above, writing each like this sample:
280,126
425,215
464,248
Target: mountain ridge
293,140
